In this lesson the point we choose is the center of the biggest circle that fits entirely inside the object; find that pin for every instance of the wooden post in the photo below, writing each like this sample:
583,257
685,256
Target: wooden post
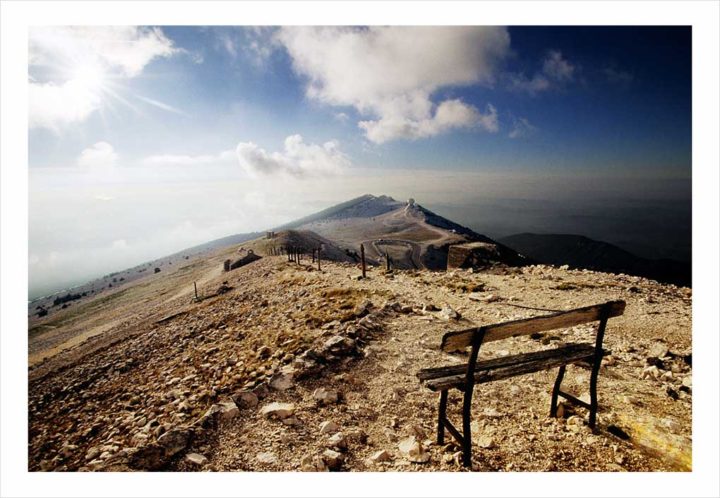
313,255
195,285
318,258
362,259
387,261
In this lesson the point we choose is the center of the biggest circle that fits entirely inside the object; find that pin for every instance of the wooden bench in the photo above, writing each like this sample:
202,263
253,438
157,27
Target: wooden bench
464,377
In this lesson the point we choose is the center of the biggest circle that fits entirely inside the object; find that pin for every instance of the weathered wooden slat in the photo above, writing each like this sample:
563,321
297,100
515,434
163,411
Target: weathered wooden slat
453,341
505,361
483,376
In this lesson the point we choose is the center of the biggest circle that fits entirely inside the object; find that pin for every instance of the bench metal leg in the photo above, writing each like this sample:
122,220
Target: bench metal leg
467,436
555,391
441,417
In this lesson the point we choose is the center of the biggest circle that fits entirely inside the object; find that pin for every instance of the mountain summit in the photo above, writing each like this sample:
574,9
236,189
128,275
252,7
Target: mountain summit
411,235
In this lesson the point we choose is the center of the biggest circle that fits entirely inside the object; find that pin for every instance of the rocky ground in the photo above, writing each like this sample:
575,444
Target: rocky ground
290,368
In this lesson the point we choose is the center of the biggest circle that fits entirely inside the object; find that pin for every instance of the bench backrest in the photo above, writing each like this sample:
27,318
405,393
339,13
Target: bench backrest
460,339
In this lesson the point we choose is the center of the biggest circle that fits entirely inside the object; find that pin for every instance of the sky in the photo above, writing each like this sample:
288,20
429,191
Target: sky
147,140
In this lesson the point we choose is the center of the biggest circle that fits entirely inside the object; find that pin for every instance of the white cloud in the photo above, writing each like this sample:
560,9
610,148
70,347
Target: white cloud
54,106
227,156
298,159
70,68
100,155
389,74
555,72
521,128
126,48
448,115
228,43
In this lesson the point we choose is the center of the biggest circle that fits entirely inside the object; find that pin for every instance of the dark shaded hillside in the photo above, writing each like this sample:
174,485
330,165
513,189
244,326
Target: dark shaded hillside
578,251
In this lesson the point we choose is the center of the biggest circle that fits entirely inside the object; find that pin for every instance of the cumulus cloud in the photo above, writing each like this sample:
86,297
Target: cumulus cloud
298,159
389,74
448,115
521,128
69,66
100,155
555,72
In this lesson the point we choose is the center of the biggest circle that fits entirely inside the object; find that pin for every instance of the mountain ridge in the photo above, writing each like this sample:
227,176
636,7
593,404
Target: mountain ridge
579,251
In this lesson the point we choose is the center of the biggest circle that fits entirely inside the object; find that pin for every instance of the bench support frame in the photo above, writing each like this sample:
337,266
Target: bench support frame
465,438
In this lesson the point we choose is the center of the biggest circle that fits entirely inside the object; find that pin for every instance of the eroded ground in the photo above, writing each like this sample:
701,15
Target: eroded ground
184,387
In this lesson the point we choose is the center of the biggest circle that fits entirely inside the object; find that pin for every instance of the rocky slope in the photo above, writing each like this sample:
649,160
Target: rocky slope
283,367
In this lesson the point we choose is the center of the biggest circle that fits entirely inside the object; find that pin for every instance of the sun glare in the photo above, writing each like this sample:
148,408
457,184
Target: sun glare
90,77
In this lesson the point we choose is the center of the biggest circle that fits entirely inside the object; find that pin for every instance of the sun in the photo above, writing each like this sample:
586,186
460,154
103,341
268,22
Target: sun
91,77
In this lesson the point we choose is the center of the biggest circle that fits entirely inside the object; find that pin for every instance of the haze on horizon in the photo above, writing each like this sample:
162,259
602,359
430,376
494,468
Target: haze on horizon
144,141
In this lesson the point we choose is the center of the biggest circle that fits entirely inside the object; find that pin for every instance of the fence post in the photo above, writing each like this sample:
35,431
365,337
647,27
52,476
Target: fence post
195,285
362,259
387,261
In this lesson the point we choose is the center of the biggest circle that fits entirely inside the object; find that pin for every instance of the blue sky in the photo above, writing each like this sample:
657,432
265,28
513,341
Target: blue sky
131,125
624,105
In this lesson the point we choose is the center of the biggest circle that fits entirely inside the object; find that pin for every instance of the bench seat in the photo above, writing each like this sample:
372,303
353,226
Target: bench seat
441,378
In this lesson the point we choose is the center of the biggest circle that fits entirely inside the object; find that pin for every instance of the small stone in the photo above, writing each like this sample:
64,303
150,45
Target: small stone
266,458
228,410
313,463
246,399
325,396
279,410
486,441
412,449
658,350
196,458
281,382
292,421
380,456
687,381
174,441
651,372
328,427
338,441
332,459
447,313
92,453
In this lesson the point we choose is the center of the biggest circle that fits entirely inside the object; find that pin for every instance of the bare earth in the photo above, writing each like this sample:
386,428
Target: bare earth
164,377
